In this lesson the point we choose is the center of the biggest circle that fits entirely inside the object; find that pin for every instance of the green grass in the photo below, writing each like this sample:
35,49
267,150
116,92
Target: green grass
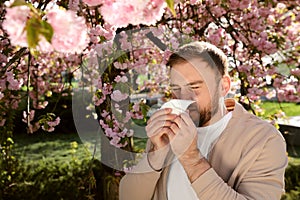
290,109
49,147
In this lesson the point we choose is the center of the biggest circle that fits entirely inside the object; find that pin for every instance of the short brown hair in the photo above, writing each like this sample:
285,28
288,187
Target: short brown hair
215,57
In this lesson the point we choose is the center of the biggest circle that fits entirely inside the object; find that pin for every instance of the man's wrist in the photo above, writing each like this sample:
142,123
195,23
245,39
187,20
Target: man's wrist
194,164
156,158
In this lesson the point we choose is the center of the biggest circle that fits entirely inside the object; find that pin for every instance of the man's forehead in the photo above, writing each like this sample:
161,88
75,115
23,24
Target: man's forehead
191,72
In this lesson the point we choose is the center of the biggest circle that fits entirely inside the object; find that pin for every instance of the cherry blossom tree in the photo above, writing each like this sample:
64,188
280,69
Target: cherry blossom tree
42,41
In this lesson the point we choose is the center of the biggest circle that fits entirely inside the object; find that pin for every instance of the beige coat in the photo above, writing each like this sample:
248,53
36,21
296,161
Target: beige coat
248,162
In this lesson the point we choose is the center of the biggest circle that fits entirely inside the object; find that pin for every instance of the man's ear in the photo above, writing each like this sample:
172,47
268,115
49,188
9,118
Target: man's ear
225,84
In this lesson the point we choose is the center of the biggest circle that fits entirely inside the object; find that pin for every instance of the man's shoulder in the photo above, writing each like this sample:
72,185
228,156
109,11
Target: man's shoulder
247,124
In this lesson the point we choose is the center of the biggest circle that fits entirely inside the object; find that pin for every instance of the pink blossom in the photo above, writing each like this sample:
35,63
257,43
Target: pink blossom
44,46
174,42
244,4
234,4
127,117
55,122
271,20
119,65
14,84
70,31
123,133
193,2
73,5
2,122
254,93
218,11
271,94
297,17
1,95
281,6
118,96
122,79
265,12
98,101
136,107
94,2
106,31
215,36
115,142
48,129
106,89
124,9
40,105
3,58
14,24
144,12
296,72
125,44
103,125
104,113
110,133
137,115
33,128
153,12
25,116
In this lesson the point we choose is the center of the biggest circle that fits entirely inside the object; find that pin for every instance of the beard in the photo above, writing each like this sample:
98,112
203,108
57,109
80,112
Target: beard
205,113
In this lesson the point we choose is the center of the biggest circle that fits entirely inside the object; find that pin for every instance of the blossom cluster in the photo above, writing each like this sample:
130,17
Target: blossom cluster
70,31
133,12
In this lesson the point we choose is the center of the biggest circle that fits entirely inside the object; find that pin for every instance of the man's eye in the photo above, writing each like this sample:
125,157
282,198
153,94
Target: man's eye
175,88
195,87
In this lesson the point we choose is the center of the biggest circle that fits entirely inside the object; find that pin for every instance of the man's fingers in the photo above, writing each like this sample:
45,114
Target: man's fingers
175,128
155,126
158,133
160,113
158,121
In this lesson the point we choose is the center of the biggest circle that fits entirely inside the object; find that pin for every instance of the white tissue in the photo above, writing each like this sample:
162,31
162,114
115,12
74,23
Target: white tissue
178,105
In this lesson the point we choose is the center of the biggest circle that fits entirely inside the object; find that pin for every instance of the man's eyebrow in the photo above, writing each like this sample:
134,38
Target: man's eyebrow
195,82
189,84
173,85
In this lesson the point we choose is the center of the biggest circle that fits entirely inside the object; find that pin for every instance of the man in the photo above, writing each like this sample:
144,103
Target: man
216,149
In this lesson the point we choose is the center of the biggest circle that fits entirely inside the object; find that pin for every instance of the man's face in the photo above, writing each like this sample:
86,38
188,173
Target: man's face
195,80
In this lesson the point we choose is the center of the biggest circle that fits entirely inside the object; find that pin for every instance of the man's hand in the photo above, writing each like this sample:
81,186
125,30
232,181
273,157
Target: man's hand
158,129
183,135
183,140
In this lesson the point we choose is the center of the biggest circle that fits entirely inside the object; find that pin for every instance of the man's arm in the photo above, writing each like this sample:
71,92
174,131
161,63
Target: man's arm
141,182
138,186
264,179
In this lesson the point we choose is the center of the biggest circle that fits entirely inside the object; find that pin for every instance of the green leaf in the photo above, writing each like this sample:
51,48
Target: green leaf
18,3
36,27
170,4
33,27
46,30
144,108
